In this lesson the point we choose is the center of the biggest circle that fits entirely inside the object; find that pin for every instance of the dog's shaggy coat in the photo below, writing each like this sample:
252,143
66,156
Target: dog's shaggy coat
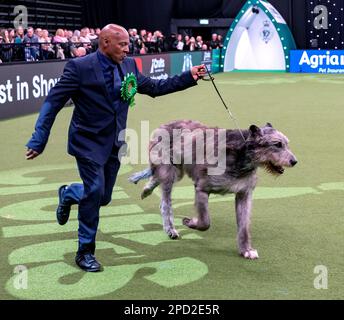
263,147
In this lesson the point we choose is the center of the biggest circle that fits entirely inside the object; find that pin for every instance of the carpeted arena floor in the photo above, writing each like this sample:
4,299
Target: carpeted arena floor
297,222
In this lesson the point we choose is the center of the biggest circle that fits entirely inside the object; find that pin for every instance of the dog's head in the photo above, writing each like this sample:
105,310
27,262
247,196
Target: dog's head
270,149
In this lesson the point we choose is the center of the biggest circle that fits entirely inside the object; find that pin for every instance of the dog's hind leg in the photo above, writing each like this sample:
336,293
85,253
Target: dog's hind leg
169,177
243,206
149,187
202,223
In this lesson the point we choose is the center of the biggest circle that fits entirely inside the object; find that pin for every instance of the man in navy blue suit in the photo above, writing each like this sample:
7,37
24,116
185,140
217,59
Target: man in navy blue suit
100,114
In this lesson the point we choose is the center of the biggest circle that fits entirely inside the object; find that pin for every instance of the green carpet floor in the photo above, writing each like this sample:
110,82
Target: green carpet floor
297,222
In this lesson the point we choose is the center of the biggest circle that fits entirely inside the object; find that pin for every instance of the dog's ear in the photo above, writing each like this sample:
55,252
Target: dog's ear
269,125
255,131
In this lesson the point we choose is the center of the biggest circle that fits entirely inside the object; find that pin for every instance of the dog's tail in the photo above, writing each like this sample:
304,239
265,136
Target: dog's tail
145,174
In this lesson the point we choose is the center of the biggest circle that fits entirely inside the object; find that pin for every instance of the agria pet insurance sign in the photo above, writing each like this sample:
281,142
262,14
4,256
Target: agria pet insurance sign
317,61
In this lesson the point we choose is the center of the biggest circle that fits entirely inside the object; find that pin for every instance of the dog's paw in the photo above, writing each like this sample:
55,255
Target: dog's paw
251,254
195,224
145,193
189,223
173,234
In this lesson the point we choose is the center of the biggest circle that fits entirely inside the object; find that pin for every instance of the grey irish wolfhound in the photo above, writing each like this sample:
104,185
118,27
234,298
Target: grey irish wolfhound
185,147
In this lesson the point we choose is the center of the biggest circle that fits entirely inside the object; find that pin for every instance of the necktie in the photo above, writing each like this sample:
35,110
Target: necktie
117,82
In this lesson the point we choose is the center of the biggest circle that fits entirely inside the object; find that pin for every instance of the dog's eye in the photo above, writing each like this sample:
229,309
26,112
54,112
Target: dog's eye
278,145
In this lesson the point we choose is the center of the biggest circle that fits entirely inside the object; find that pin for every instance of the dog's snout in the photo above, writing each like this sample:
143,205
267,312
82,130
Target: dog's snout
293,162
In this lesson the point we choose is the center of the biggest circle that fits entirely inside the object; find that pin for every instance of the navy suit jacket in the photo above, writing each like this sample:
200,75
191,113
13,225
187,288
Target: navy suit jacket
98,116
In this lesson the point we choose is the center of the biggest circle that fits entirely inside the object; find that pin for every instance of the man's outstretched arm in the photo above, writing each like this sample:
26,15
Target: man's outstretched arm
57,98
156,88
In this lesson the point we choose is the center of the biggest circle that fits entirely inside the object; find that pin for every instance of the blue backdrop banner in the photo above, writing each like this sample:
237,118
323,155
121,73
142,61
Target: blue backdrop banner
317,61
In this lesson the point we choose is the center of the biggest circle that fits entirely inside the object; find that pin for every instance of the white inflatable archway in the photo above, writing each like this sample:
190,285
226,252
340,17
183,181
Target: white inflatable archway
258,40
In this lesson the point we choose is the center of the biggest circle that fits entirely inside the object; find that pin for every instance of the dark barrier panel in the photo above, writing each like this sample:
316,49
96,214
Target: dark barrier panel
161,66
156,66
24,87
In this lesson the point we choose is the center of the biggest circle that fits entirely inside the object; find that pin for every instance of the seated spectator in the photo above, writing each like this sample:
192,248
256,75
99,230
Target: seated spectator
143,35
31,45
60,36
84,38
76,33
186,43
141,46
135,35
47,49
220,42
179,44
74,44
80,52
159,41
170,41
214,44
6,49
69,34
11,35
149,44
199,42
131,41
92,35
18,50
61,44
204,47
39,33
19,35
192,45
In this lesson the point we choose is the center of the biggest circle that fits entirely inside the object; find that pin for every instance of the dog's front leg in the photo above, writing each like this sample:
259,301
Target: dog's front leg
201,223
243,206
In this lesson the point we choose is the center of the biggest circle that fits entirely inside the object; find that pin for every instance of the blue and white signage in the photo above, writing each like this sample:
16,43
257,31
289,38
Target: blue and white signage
317,61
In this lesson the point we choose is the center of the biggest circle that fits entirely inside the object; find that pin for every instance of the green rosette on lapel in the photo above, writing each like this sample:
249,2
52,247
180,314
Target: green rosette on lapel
129,89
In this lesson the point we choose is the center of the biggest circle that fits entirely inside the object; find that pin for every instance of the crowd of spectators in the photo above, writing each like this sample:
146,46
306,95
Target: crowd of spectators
38,44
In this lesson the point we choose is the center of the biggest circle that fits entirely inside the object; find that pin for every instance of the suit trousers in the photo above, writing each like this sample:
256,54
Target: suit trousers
96,191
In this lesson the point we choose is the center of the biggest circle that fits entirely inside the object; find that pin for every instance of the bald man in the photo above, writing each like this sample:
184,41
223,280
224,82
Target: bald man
93,83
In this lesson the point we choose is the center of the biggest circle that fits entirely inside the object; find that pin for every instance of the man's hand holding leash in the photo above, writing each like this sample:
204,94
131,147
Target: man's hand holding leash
198,72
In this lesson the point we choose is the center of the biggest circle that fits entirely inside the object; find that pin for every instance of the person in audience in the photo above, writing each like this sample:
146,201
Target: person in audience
6,48
219,41
179,44
19,35
80,52
84,38
11,35
186,43
214,44
199,42
47,49
61,44
192,45
31,45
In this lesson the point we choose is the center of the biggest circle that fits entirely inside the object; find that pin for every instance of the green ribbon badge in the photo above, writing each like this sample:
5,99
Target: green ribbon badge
129,89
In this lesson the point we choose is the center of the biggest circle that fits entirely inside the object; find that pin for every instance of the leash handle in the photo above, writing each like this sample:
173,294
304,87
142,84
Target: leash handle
223,102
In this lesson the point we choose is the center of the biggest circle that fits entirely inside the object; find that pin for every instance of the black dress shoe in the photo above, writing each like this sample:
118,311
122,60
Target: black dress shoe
87,262
63,210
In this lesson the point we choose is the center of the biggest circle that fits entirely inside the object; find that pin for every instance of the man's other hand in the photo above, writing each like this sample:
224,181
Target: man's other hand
31,154
198,72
